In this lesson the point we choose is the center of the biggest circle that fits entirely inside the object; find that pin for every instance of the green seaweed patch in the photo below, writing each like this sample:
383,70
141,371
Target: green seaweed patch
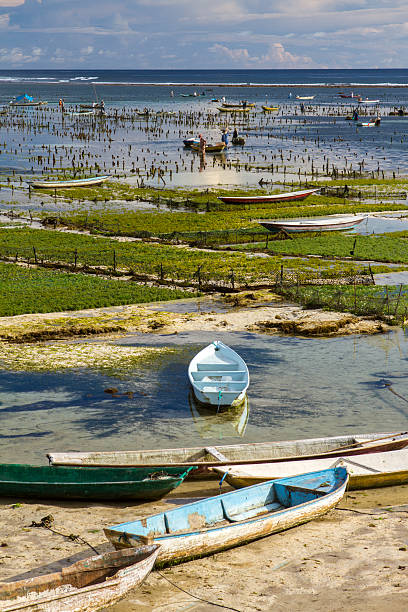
104,357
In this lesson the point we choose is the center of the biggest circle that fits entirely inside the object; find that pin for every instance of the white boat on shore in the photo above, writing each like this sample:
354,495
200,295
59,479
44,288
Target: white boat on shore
329,224
272,197
218,375
205,457
366,471
59,184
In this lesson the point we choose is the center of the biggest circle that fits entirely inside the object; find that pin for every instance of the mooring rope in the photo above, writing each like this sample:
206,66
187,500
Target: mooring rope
46,523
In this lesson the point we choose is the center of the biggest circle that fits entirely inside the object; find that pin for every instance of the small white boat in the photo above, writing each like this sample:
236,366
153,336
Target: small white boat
318,225
218,375
84,182
304,97
366,471
271,197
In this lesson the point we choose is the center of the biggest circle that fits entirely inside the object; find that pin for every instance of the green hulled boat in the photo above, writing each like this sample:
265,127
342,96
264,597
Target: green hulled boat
102,483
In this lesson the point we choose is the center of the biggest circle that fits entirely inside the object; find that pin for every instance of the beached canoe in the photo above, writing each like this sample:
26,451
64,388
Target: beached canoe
272,197
88,585
330,224
366,471
238,454
59,184
218,375
217,523
73,482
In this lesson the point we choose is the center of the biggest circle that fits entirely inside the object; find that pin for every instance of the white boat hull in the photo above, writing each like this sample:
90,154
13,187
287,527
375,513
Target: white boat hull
218,376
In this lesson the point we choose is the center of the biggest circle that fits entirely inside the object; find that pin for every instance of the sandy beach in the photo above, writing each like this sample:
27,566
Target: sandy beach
354,559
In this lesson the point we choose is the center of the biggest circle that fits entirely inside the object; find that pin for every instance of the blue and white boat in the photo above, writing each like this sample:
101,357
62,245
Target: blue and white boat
217,523
219,376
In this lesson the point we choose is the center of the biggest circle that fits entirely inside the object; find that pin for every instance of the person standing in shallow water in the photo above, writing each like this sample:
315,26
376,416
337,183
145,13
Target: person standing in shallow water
203,143
224,137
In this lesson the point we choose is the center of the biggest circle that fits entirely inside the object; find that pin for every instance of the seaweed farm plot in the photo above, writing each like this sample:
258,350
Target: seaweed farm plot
390,303
29,290
154,262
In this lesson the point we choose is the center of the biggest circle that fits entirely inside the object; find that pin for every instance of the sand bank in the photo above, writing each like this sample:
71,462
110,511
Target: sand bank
344,561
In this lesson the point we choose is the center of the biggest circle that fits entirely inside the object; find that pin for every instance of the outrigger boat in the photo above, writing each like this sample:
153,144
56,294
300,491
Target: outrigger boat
238,454
217,523
272,197
319,225
366,471
59,184
91,584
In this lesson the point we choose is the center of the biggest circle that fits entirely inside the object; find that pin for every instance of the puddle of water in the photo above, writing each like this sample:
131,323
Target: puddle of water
340,390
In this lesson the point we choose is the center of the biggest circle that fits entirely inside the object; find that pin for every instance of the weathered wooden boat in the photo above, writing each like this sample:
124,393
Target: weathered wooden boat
217,523
272,197
238,454
218,376
269,109
304,97
218,147
318,225
84,182
224,109
69,482
85,586
366,471
238,141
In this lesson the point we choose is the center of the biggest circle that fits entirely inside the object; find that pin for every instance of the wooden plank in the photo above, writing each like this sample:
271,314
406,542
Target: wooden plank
215,453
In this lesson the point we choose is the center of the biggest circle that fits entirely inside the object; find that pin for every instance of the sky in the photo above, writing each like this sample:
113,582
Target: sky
186,34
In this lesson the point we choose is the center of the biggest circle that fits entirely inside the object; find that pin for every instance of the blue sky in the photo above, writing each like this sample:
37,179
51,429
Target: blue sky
203,34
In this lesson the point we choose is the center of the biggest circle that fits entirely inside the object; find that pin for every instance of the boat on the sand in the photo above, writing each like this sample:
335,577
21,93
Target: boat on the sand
205,457
231,519
272,197
366,471
88,585
329,224
59,184
102,483
218,376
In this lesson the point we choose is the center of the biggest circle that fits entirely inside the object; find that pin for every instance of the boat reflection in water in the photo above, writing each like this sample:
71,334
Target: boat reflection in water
222,424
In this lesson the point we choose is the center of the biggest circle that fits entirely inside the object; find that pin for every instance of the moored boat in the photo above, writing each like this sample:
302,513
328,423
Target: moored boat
366,471
304,97
88,585
272,197
73,482
26,100
217,523
238,105
238,454
238,141
189,142
367,124
224,109
268,109
218,376
84,182
218,147
329,224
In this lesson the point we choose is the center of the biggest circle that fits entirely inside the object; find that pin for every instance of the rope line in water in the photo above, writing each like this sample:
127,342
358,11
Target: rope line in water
195,596
389,387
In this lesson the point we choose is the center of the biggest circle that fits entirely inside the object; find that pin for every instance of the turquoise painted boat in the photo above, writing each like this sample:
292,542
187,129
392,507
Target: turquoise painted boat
217,523
106,483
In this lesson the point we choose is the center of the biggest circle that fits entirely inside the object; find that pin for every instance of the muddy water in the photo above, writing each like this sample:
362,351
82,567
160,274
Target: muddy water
299,388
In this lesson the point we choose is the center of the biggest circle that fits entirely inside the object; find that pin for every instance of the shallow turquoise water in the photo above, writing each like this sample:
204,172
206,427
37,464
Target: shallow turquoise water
299,388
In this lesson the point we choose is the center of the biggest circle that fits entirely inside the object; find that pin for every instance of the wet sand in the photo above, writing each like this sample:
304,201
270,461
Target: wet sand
346,560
